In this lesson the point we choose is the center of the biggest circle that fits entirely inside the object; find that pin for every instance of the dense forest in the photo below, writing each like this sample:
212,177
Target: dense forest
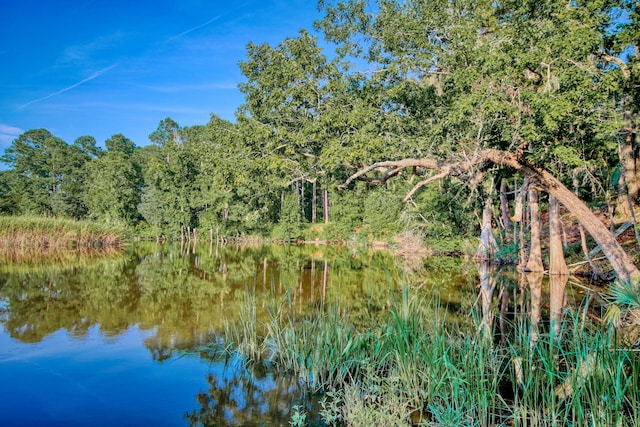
555,83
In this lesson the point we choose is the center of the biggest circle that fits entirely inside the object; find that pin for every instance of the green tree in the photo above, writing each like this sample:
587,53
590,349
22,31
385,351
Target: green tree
621,54
287,91
234,191
290,222
114,186
170,175
46,176
87,145
9,198
119,143
479,84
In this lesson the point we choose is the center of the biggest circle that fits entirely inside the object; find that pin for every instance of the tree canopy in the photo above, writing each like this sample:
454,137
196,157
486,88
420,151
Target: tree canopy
554,84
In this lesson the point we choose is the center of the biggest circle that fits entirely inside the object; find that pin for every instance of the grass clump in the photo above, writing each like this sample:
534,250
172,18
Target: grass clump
45,232
415,368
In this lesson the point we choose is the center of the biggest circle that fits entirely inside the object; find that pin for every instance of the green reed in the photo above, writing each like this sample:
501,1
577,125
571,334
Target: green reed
416,368
582,379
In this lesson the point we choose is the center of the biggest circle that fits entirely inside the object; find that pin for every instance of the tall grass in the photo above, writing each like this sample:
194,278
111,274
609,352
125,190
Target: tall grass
44,232
415,368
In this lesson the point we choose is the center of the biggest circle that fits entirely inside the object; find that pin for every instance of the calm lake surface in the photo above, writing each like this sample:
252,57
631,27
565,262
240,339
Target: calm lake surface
122,338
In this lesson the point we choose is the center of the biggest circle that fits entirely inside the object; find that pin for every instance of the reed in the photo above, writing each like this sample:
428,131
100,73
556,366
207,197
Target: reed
45,232
581,380
415,368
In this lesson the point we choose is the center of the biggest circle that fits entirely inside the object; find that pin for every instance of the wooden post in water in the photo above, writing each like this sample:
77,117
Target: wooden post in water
264,273
535,293
557,284
325,270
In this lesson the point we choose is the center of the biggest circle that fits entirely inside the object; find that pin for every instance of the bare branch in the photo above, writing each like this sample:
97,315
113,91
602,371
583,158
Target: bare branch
626,73
394,167
425,182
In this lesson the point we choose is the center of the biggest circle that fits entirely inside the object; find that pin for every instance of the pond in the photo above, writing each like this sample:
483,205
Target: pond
121,338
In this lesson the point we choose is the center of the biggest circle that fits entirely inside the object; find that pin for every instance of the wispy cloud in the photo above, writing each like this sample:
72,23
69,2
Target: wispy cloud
86,54
197,27
68,88
8,134
116,108
196,87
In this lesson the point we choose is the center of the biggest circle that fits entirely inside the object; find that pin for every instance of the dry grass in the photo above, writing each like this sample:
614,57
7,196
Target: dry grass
40,232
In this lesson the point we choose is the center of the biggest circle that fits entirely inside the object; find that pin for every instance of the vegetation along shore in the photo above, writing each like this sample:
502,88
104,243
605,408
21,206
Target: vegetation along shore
42,233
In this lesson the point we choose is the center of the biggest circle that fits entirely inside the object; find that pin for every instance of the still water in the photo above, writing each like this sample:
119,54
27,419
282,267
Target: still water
120,338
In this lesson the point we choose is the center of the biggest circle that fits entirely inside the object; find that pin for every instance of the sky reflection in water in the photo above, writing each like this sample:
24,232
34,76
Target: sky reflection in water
96,380
115,340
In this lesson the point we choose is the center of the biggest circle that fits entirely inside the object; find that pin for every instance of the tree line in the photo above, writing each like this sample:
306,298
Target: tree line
554,82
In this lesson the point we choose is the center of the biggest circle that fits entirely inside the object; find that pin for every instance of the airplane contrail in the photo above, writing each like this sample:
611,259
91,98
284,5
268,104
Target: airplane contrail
91,77
193,29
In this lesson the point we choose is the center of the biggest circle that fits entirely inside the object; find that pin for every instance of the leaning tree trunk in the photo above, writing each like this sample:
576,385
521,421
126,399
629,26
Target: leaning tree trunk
504,206
482,159
619,259
629,187
534,263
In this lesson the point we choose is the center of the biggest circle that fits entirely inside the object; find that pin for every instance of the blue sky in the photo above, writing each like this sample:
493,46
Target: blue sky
102,67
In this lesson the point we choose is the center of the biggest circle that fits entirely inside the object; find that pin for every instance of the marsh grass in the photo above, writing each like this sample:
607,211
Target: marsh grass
416,368
43,232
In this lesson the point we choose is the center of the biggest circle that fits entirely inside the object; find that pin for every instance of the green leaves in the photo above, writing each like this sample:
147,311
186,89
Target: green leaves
554,80
114,184
46,175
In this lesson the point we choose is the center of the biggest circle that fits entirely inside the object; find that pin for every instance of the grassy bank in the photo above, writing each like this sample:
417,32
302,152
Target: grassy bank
41,232
414,368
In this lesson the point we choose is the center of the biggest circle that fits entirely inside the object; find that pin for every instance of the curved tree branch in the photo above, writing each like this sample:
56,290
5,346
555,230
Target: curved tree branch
424,182
618,258
391,166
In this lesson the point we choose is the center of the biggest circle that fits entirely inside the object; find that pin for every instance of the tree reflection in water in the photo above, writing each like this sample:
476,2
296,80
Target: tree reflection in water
185,298
522,297
252,397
